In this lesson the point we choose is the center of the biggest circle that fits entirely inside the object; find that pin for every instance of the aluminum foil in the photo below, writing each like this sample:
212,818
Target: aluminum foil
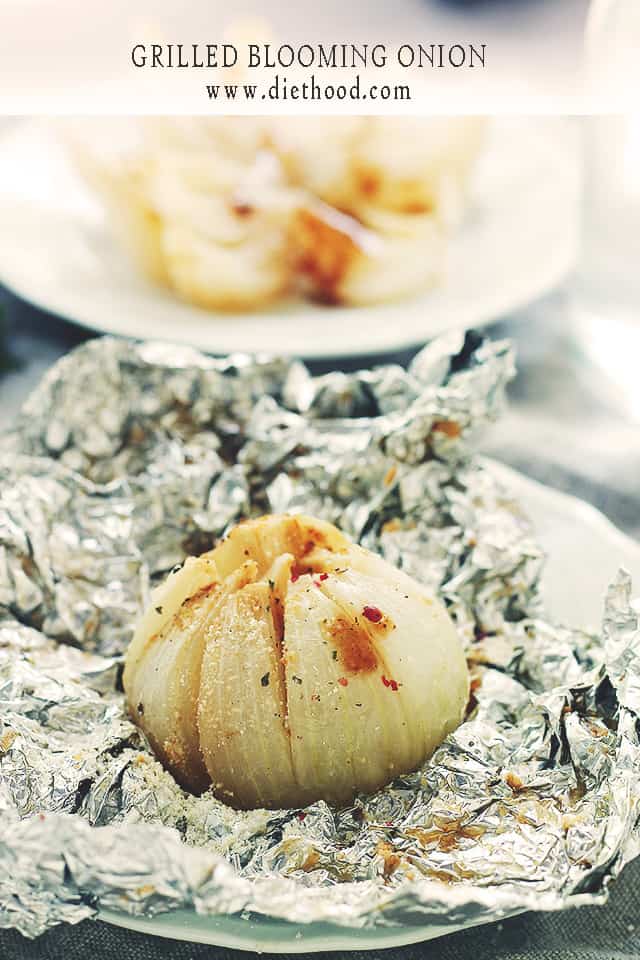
129,457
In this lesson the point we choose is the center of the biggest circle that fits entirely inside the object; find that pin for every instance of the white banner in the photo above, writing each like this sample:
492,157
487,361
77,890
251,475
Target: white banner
401,56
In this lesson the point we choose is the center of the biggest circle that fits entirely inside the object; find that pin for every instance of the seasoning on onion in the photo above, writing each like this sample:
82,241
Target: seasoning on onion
289,665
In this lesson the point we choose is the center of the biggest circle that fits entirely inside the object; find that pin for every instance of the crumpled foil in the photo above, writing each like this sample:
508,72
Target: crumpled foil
129,457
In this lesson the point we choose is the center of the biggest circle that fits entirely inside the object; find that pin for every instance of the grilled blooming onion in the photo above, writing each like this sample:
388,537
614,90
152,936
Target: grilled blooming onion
290,665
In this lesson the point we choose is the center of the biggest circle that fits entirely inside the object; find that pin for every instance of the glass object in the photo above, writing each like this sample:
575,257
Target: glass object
606,289
611,55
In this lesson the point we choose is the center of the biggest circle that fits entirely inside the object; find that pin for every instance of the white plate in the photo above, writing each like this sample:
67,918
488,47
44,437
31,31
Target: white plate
517,242
584,553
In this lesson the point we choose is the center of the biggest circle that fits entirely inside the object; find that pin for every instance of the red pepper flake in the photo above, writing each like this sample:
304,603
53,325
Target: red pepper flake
343,681
301,815
323,576
390,683
294,576
372,614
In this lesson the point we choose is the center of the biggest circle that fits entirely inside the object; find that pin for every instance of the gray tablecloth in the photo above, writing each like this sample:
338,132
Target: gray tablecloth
566,428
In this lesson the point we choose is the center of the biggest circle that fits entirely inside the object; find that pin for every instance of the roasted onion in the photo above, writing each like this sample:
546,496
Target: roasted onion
290,665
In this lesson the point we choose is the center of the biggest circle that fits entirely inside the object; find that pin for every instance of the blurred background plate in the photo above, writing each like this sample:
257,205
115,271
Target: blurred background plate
517,242
584,552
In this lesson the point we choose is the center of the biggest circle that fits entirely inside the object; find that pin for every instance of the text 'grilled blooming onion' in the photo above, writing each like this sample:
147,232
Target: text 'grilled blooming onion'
289,665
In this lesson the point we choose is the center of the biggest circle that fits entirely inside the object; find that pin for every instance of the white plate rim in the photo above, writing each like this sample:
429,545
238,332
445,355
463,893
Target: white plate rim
315,938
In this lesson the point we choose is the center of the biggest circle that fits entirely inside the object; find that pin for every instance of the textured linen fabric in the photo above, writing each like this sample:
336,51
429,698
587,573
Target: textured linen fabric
610,932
